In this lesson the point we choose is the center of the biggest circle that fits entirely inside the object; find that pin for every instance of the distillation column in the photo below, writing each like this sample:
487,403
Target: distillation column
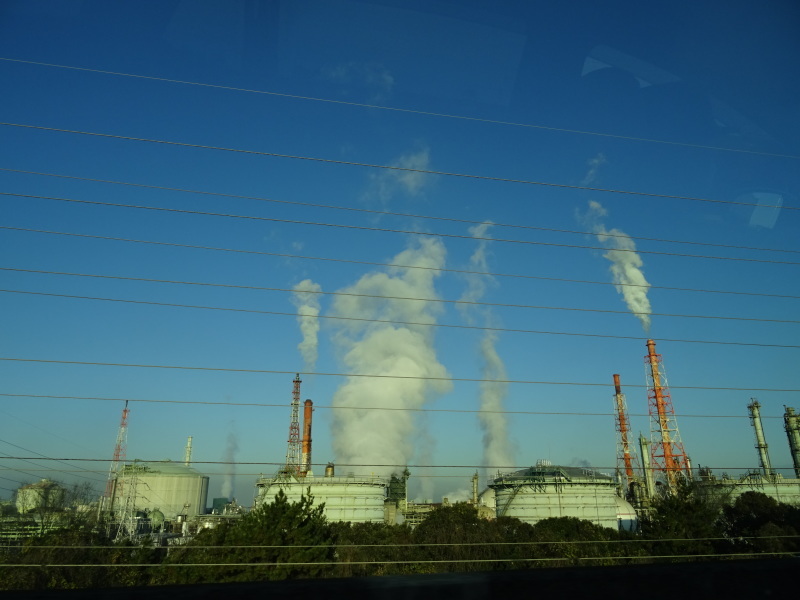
761,443
792,424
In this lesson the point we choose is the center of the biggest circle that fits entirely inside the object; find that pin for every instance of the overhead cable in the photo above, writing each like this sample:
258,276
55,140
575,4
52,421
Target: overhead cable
389,230
373,376
381,297
406,110
380,264
384,408
391,167
608,234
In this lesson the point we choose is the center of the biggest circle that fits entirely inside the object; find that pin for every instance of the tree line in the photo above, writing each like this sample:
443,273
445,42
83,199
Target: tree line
286,540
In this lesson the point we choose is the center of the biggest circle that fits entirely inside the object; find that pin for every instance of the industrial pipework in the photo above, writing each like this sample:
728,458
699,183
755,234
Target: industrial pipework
668,454
761,443
187,457
308,409
792,425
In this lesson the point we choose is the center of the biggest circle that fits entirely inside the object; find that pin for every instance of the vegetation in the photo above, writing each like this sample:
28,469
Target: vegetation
285,540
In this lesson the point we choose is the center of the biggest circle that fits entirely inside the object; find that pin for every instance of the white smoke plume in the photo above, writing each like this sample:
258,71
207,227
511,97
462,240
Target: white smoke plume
594,166
626,264
229,479
306,300
386,437
497,448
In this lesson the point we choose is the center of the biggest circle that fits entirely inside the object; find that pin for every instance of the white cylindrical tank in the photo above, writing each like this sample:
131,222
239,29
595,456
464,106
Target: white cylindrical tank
354,499
172,488
542,492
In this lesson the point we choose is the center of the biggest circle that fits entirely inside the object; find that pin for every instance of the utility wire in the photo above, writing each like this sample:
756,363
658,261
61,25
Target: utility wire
389,230
386,408
440,300
508,470
42,455
362,375
397,214
392,167
404,110
392,265
387,321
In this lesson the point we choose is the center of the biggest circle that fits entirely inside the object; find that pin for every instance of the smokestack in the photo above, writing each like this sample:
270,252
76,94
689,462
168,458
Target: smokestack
329,470
475,489
644,449
668,447
792,424
761,443
623,427
306,455
187,457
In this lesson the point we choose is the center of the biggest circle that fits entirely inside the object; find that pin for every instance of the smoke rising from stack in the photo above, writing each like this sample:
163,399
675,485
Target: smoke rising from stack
626,264
306,300
229,479
497,450
374,437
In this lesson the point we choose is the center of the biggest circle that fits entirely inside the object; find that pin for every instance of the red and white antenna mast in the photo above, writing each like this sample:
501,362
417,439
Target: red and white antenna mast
119,453
668,455
293,451
626,460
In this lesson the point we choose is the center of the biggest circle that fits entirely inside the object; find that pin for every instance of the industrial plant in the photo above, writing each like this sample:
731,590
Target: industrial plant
171,498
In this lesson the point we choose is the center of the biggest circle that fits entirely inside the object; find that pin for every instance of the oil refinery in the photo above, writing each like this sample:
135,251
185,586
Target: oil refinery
172,496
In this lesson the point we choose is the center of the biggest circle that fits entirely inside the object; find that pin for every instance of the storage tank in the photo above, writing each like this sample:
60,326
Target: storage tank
354,499
43,495
546,491
172,488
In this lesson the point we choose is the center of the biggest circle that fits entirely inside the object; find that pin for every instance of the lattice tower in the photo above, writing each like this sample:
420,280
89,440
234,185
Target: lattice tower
667,452
293,451
120,449
627,464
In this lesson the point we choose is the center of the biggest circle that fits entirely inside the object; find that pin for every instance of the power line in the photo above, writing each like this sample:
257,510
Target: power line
380,264
389,230
361,375
392,167
405,110
43,456
397,214
439,300
383,408
507,469
387,321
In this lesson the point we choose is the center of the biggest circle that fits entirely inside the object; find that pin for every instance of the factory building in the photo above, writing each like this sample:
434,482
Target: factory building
174,489
547,491
349,498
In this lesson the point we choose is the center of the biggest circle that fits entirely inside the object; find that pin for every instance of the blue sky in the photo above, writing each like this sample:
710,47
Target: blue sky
680,104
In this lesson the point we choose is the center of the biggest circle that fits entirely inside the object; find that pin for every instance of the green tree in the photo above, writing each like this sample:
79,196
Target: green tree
758,523
684,524
576,540
388,546
260,546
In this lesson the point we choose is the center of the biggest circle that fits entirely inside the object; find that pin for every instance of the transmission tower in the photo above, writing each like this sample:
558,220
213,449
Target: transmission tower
668,454
293,451
119,456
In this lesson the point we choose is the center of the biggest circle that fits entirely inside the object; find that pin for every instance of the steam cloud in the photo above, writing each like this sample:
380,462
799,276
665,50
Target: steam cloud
497,449
306,300
229,481
375,437
626,264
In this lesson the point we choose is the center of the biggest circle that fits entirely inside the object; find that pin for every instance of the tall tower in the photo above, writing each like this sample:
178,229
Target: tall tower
761,443
625,458
293,450
308,409
668,455
120,449
792,424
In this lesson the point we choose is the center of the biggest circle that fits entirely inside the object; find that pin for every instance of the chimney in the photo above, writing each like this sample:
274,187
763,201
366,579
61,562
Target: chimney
305,461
